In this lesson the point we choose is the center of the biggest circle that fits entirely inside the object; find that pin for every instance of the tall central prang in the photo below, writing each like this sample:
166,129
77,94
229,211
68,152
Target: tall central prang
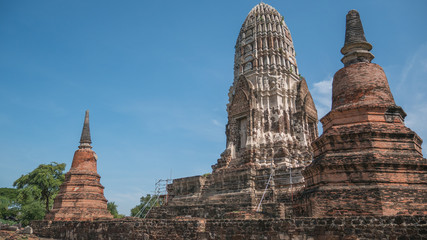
272,121
271,115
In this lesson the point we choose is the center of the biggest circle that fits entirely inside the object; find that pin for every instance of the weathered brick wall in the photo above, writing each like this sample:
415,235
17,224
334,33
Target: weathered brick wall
118,229
223,193
320,228
401,227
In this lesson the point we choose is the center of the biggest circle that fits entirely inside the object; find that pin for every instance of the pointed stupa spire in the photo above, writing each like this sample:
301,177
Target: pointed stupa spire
85,140
356,48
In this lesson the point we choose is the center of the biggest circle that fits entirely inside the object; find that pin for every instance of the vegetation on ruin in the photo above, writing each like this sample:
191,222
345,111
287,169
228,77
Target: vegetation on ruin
33,196
112,207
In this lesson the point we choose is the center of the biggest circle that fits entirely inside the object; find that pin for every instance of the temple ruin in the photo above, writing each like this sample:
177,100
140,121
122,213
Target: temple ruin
272,122
364,178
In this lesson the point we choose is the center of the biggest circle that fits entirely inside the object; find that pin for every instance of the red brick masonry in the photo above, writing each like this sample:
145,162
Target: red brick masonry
81,196
366,162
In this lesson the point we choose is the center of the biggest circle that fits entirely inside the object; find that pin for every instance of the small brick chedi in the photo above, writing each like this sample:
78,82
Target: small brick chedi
366,162
81,196
272,121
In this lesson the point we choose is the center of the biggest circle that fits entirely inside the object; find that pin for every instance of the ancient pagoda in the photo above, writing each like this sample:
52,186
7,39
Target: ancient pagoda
272,122
366,162
81,196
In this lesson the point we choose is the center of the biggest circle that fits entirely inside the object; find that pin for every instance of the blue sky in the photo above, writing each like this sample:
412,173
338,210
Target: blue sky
155,77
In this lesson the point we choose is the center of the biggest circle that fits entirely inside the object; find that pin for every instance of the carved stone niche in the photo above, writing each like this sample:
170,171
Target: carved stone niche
242,125
240,100
239,114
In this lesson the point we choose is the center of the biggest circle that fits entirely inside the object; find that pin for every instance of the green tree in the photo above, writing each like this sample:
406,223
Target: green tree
8,203
32,211
148,202
9,193
112,207
41,184
4,207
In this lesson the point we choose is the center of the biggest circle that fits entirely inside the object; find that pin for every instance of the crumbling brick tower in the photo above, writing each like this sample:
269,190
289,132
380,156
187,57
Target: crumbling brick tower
366,162
81,196
272,121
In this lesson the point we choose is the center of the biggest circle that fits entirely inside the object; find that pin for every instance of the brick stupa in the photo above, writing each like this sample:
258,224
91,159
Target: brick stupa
366,162
81,196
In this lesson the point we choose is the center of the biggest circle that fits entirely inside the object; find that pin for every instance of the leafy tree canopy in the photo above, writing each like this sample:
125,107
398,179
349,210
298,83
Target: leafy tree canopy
9,193
8,203
33,195
41,184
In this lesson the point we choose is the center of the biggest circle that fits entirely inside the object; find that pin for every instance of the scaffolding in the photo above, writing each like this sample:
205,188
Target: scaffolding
160,190
267,185
271,178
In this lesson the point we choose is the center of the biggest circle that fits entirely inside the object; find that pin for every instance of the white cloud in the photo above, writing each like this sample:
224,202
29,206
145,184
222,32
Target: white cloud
415,66
324,87
417,117
322,96
217,123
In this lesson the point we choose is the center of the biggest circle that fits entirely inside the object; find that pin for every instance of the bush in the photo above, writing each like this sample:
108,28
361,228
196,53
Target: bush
32,211
8,222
